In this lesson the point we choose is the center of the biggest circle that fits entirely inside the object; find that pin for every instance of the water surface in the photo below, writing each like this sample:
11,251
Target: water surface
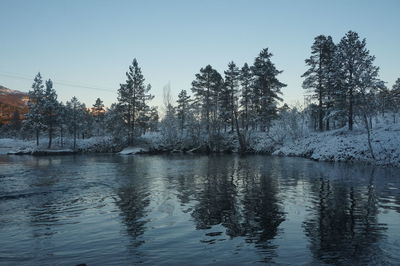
190,210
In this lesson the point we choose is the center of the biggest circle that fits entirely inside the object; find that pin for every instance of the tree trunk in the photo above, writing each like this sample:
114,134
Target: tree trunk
74,137
242,141
61,137
50,136
320,112
367,126
37,137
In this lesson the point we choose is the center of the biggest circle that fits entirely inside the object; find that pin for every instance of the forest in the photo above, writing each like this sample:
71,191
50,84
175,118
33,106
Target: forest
234,111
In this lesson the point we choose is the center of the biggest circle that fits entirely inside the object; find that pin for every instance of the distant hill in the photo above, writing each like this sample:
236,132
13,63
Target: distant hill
12,101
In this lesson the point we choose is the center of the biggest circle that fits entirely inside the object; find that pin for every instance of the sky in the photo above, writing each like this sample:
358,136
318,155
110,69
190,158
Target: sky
90,44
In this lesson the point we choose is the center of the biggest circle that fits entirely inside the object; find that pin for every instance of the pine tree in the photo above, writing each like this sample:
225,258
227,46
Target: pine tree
318,78
154,117
114,123
34,116
183,108
230,92
98,114
246,78
356,70
16,121
144,109
74,107
50,109
394,99
206,88
267,88
63,121
130,98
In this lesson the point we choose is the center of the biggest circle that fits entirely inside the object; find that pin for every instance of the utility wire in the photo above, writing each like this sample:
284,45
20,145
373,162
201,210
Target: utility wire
63,83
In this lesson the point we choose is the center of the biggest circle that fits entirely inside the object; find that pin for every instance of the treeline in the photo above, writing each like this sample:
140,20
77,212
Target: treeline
73,119
345,83
342,85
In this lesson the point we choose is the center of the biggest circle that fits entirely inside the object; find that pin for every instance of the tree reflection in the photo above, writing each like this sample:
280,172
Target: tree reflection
133,198
242,198
344,227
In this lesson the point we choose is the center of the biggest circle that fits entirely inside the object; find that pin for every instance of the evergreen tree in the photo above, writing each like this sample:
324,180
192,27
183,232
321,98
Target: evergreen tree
114,123
206,88
394,99
50,110
154,117
34,117
74,107
230,92
266,88
98,114
356,70
246,83
62,121
318,78
130,98
16,121
183,108
144,108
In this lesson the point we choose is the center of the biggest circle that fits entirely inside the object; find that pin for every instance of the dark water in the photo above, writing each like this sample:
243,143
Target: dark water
223,210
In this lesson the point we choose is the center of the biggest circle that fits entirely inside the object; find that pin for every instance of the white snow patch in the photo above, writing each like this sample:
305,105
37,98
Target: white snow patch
133,150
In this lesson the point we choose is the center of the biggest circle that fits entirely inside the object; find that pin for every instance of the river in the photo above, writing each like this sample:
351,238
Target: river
196,210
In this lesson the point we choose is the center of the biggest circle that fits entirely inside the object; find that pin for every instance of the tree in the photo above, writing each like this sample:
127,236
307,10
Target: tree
182,108
230,91
356,69
318,78
394,99
50,109
115,125
154,117
63,121
266,88
34,118
206,88
98,114
246,82
144,109
74,117
130,98
16,121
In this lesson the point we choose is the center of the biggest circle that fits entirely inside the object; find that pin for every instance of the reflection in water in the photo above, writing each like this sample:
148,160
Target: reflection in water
343,226
180,210
133,198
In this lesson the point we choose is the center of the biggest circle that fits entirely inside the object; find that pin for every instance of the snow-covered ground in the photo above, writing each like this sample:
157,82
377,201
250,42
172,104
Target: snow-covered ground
335,145
344,145
94,144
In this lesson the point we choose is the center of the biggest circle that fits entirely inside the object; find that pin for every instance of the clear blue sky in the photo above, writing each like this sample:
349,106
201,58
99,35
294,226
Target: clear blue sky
93,42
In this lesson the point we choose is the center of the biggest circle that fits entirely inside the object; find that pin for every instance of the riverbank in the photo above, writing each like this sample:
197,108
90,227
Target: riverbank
29,147
342,145
338,145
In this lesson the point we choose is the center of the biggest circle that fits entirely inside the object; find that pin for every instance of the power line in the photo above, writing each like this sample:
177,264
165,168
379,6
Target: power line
63,83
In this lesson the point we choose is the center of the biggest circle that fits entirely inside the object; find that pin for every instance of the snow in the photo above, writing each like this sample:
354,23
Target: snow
339,145
94,144
343,145
133,150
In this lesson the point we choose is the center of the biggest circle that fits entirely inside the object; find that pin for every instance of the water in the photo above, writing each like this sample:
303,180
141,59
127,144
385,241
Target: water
185,210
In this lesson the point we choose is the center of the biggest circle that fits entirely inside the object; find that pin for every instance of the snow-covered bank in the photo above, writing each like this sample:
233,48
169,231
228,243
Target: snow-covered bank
133,150
348,146
335,145
90,145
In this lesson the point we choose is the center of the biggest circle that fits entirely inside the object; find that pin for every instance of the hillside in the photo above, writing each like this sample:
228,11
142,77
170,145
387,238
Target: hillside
12,101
